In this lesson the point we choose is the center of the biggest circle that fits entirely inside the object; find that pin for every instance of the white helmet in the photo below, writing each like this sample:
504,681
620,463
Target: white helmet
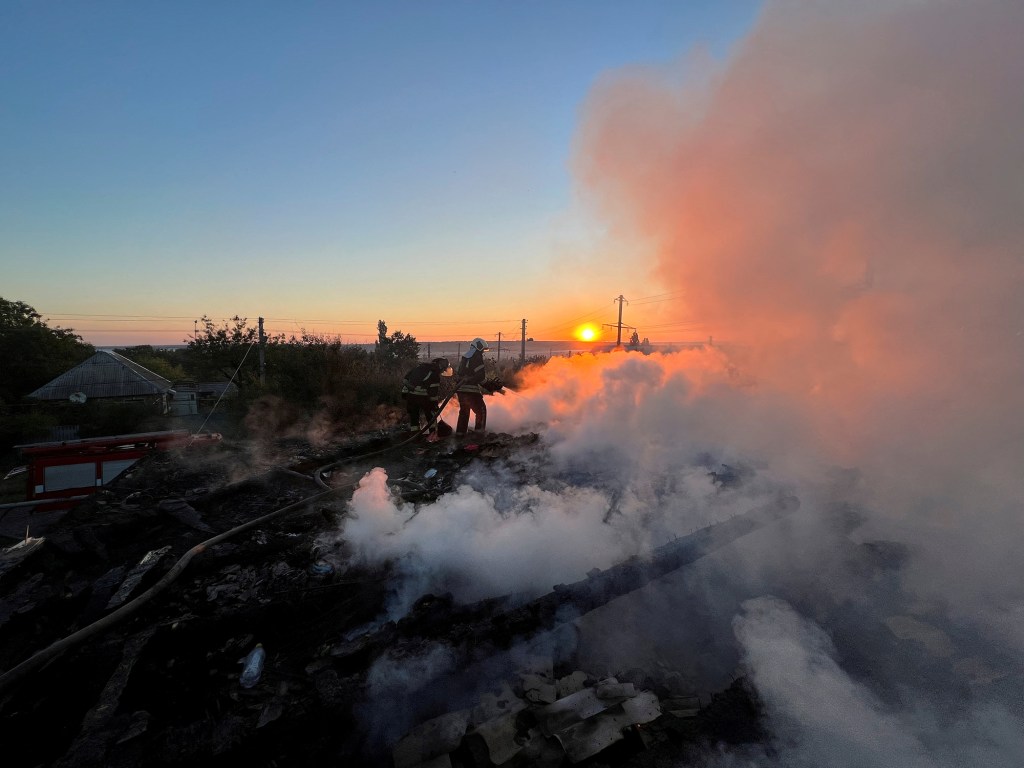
479,344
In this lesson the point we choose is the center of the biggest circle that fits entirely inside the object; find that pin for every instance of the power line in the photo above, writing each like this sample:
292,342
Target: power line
458,327
619,326
680,325
659,297
129,330
654,301
126,318
600,312
73,315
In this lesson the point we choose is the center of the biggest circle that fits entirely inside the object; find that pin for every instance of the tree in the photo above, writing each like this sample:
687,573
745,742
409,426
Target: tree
396,348
161,362
219,351
314,371
31,352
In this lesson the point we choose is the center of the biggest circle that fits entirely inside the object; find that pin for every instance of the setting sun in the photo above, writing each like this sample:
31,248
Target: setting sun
586,333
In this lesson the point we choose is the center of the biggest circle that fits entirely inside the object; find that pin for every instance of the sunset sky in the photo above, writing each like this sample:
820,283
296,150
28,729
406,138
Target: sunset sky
831,189
326,165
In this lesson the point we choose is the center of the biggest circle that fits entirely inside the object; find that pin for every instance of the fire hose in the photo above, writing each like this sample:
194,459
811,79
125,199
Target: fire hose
38,659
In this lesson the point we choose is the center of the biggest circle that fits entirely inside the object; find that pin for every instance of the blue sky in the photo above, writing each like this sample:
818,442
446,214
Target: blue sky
315,162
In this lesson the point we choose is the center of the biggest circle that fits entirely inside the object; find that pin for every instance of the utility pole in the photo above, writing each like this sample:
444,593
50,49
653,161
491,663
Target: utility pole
263,359
619,326
618,337
522,348
498,360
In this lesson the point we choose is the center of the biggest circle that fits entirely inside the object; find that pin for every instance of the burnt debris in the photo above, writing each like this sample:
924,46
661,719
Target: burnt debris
161,684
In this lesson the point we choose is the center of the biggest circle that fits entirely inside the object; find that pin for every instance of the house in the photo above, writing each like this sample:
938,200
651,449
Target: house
105,376
110,376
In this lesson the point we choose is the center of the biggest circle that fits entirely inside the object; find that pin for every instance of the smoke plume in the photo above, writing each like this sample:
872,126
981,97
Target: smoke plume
625,465
841,204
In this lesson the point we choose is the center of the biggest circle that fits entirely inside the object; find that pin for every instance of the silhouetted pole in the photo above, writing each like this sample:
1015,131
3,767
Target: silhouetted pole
498,360
618,336
522,349
263,359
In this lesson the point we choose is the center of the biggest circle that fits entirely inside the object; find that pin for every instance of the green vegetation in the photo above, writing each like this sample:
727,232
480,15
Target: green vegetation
311,373
220,352
163,362
306,380
309,384
398,348
31,352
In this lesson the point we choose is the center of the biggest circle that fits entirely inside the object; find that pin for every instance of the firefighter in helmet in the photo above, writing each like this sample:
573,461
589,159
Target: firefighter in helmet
421,390
471,389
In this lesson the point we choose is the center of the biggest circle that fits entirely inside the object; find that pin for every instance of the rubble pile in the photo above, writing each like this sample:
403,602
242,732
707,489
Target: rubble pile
162,685
549,722
541,719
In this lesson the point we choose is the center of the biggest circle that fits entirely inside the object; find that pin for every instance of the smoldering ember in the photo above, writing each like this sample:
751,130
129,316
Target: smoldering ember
607,578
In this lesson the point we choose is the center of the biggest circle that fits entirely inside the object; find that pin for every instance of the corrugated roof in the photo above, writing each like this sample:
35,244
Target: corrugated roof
105,374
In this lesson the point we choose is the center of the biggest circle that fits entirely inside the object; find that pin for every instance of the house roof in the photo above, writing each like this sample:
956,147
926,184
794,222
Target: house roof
105,374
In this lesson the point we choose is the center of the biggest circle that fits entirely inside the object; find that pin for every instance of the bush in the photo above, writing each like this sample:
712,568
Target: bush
32,352
20,425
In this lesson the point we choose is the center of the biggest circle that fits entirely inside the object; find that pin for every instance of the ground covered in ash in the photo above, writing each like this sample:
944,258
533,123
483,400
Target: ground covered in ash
494,682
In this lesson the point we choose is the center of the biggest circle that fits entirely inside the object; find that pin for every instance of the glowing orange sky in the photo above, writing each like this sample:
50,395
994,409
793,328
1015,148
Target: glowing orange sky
845,212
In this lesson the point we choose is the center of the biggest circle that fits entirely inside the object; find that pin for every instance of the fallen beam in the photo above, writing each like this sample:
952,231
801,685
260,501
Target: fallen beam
479,628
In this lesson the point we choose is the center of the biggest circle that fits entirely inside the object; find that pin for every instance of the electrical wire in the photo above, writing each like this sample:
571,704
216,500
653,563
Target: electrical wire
599,315
658,297
681,324
602,310
224,392
130,318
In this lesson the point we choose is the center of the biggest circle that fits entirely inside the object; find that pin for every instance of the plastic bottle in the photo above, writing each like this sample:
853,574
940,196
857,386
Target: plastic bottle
253,666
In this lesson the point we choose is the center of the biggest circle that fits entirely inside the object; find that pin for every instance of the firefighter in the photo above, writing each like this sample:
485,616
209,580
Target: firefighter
421,390
471,389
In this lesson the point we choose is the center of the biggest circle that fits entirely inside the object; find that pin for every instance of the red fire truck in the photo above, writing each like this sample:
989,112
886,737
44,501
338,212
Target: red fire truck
71,468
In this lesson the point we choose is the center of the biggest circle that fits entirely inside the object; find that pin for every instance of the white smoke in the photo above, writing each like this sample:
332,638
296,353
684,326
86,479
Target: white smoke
836,203
465,545
842,203
600,490
821,716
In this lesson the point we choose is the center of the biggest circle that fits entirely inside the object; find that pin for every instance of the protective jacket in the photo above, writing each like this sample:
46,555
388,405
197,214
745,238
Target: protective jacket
471,373
424,381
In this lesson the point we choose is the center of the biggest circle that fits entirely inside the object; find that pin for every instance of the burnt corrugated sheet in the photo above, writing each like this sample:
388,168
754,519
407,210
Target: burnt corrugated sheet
105,374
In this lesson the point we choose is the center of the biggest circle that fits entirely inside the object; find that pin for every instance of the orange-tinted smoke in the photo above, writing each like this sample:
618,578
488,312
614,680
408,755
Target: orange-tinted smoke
844,201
